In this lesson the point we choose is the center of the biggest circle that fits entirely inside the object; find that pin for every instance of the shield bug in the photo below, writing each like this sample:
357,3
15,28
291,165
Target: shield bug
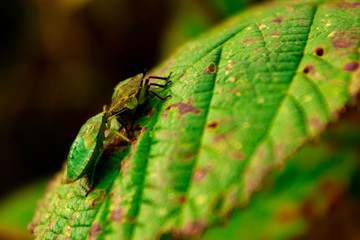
87,148
131,93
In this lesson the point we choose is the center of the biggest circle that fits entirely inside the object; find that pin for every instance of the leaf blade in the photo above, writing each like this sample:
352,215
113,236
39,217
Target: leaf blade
206,150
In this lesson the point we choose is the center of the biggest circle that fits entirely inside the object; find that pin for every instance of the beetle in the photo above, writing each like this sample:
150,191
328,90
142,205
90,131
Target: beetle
87,148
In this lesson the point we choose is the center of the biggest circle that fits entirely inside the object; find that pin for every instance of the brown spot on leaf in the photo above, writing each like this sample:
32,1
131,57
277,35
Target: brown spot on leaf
290,8
182,76
218,138
199,174
72,218
94,230
235,91
334,192
343,43
125,165
308,210
316,123
210,69
338,111
117,215
212,124
191,229
319,51
182,199
185,108
351,66
140,129
279,149
237,155
248,40
278,20
232,79
308,69
344,4
144,129
32,226
287,214
131,219
228,67
261,152
149,111
188,157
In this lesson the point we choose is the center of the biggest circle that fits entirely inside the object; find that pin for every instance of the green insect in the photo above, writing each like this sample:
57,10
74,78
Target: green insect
87,148
131,93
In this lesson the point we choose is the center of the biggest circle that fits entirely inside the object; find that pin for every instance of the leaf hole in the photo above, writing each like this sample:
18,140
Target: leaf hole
211,68
308,69
212,124
319,51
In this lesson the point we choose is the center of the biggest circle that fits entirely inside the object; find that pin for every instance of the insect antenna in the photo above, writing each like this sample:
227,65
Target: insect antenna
145,71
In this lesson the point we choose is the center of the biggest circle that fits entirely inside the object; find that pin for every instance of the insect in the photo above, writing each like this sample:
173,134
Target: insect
87,148
131,93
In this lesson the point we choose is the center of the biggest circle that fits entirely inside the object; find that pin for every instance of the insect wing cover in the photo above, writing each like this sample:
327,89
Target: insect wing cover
86,147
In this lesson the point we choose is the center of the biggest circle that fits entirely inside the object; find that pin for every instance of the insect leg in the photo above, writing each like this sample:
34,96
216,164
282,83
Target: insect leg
156,84
141,83
161,78
161,97
122,136
160,85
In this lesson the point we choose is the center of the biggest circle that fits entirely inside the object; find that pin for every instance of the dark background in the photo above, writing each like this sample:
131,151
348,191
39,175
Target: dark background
60,60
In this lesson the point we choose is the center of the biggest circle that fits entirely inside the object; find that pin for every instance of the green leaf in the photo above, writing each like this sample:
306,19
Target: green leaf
245,97
311,186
